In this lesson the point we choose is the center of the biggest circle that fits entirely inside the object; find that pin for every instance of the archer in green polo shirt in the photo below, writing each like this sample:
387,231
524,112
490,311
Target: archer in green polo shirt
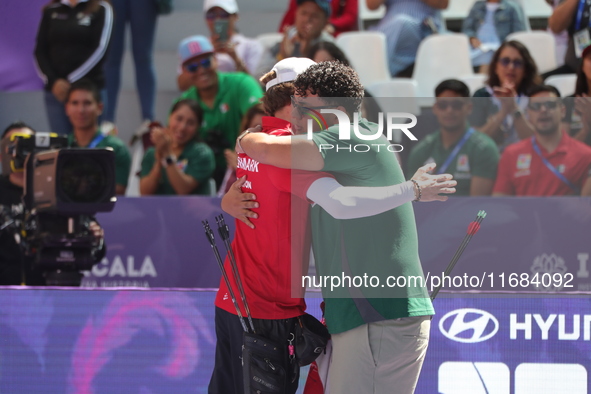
83,107
223,97
381,245
470,156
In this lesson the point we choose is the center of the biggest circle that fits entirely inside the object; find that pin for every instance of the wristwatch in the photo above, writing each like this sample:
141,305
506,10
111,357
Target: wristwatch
240,137
168,160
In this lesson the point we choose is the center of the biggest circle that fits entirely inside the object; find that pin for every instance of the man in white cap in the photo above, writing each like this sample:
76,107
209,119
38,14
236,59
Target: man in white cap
224,97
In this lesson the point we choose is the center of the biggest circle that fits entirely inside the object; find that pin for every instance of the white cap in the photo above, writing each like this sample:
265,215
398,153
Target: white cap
230,6
288,69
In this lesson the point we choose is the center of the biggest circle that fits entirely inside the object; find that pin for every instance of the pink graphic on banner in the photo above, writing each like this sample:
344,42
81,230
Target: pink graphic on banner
127,314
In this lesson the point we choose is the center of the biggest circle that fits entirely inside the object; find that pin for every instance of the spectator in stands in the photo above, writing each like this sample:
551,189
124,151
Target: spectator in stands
252,118
550,163
311,18
498,107
233,51
574,15
406,24
578,106
561,38
71,44
142,18
471,157
488,24
178,163
83,107
325,51
223,97
343,16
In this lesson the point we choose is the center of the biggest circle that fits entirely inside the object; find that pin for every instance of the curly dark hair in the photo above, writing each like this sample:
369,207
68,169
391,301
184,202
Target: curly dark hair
530,71
332,80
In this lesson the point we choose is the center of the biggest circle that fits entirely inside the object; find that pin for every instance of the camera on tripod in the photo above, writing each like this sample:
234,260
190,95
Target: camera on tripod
63,189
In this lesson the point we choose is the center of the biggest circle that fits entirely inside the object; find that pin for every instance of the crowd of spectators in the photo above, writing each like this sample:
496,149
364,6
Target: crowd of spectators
80,45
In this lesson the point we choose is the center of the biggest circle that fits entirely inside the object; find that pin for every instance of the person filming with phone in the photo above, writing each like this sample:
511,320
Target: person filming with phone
233,51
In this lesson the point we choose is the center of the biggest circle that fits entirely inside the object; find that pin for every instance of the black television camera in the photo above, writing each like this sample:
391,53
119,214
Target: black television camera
63,189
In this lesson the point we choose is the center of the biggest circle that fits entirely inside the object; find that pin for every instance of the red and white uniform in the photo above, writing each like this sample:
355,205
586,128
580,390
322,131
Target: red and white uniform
278,248
522,172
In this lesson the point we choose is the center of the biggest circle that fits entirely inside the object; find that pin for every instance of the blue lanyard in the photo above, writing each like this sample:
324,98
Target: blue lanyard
582,4
552,168
455,152
96,140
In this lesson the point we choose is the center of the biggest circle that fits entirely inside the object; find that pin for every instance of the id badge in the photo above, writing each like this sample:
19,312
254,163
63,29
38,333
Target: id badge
582,40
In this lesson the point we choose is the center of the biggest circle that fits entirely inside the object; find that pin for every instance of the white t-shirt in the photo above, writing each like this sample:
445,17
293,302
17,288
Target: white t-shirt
248,50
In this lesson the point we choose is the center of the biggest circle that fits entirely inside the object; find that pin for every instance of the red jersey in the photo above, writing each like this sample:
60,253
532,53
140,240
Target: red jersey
278,248
343,15
522,172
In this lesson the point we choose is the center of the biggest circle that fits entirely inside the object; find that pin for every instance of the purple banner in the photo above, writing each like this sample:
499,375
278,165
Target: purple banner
91,341
159,242
509,345
525,244
19,21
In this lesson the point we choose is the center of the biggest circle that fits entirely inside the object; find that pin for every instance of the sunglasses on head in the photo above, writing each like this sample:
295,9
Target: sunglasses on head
506,61
456,105
537,106
194,66
213,15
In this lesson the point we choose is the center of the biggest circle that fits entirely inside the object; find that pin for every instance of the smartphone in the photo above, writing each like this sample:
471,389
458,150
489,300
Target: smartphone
220,27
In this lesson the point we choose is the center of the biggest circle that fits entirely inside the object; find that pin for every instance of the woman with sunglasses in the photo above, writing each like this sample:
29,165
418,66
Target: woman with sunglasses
178,163
498,107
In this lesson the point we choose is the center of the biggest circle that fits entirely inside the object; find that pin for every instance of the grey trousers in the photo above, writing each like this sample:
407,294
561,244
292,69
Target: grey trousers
379,358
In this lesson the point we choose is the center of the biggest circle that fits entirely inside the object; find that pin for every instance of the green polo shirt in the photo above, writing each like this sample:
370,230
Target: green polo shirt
122,155
237,92
479,156
381,245
196,161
